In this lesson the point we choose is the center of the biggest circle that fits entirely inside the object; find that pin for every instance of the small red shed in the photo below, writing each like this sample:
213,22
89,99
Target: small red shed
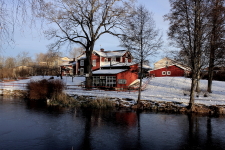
173,70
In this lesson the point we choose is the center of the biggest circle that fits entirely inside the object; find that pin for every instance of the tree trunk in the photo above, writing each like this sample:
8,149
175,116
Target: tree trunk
198,83
88,83
192,94
210,78
212,51
140,85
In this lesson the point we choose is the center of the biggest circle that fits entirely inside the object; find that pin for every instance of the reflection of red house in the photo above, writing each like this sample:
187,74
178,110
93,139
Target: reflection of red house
127,118
119,75
102,58
172,70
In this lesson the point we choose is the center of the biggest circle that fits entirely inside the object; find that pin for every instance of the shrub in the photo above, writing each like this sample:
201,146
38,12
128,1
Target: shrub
99,102
64,100
44,89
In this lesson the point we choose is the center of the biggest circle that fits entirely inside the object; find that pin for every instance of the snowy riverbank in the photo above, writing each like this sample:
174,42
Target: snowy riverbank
168,89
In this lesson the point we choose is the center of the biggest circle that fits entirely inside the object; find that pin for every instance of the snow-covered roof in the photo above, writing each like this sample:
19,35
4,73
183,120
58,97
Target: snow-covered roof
145,67
108,54
183,67
180,66
108,71
65,63
74,63
83,56
116,64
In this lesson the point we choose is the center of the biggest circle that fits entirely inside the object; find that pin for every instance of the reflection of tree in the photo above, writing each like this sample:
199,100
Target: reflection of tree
200,134
139,131
86,144
209,132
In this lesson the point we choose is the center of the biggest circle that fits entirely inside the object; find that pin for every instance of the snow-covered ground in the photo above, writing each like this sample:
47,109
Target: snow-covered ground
158,89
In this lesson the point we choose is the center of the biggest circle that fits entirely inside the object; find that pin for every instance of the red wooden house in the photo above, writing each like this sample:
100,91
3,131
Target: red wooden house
102,58
169,67
117,76
172,70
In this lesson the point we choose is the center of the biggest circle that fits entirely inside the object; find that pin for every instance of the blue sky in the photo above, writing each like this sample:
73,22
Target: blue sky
33,41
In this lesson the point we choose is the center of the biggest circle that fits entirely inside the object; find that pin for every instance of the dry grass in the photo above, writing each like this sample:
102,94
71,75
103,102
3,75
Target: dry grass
64,100
99,102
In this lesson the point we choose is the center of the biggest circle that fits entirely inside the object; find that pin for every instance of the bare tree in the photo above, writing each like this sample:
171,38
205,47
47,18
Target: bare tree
15,14
76,51
39,58
188,30
141,38
83,22
23,59
216,37
2,62
51,58
10,62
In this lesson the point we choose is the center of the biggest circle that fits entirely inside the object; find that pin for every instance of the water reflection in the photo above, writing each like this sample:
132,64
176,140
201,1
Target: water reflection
32,125
203,133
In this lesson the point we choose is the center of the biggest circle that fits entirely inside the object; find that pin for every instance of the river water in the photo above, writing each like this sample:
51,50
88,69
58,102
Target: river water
31,125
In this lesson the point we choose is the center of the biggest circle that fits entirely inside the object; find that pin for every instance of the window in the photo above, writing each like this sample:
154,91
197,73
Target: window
96,80
121,59
122,81
111,81
113,59
94,63
106,59
126,60
81,62
163,72
81,71
102,77
168,73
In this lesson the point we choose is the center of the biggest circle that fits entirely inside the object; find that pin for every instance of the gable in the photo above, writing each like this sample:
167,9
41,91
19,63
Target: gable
175,65
169,62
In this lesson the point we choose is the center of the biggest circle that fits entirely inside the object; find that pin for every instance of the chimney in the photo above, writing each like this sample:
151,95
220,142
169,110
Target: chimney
102,49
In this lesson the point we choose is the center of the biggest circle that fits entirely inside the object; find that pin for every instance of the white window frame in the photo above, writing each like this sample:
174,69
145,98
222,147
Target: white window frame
94,62
81,71
111,81
126,60
81,62
121,59
122,81
168,72
113,59
163,72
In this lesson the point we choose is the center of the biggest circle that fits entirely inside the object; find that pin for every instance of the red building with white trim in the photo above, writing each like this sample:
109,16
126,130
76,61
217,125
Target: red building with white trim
102,58
116,76
172,70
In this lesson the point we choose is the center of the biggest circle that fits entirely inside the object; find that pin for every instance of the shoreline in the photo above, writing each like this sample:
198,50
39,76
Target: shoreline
128,103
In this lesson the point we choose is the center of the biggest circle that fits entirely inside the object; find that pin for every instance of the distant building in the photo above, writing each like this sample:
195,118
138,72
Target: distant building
169,67
67,66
